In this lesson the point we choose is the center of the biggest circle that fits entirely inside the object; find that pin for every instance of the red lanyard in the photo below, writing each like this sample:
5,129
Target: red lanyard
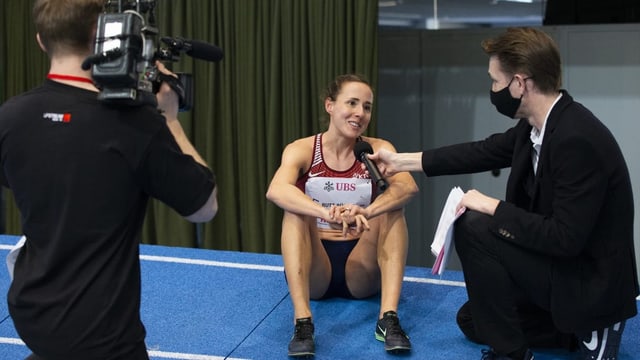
69,77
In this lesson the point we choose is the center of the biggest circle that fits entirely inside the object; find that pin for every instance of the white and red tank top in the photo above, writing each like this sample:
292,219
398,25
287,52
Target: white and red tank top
331,187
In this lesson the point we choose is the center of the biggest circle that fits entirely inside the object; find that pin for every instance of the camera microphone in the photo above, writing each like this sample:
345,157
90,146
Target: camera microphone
360,150
194,48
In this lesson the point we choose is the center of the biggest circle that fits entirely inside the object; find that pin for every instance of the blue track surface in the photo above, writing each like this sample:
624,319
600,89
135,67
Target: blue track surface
205,304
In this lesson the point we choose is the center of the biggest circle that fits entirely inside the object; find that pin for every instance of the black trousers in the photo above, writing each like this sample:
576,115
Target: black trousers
508,288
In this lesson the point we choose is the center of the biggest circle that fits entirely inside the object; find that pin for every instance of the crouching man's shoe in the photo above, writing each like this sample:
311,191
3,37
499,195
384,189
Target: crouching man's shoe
601,344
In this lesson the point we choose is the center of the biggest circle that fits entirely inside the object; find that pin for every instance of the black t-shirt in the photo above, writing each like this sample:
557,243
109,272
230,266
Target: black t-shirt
81,173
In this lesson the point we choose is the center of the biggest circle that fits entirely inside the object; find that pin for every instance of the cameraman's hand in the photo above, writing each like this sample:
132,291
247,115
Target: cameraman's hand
167,98
168,103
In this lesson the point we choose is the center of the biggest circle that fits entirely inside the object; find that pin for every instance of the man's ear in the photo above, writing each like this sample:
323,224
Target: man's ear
40,42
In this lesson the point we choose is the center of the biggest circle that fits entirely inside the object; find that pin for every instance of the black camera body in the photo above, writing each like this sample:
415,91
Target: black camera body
123,65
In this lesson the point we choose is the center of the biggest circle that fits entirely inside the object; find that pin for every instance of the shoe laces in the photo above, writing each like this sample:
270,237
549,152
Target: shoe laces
303,330
392,325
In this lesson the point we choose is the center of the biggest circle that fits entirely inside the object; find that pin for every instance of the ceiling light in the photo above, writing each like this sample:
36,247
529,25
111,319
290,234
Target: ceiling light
387,3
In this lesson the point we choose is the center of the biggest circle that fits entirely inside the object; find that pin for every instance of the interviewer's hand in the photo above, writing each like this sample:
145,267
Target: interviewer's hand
167,98
475,200
385,161
390,163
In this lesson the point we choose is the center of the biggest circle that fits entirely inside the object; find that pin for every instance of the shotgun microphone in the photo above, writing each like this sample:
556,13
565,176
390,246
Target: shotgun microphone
194,48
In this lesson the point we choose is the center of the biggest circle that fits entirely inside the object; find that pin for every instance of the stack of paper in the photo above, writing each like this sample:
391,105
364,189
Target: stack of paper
441,245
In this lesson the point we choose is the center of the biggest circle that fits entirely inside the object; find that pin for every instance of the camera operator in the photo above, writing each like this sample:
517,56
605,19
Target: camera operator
82,172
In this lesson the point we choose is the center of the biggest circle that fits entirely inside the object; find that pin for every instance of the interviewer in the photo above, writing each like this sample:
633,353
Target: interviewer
553,264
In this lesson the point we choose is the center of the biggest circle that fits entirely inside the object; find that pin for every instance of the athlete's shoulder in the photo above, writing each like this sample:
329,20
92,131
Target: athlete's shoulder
302,144
378,143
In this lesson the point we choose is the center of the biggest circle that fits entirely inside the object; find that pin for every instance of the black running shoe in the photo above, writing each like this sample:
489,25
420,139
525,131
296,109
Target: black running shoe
388,330
601,344
301,344
491,355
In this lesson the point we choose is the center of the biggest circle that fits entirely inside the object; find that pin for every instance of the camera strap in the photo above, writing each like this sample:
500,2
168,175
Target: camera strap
176,85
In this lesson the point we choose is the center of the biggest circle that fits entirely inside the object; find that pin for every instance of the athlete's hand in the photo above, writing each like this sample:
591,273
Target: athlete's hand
352,217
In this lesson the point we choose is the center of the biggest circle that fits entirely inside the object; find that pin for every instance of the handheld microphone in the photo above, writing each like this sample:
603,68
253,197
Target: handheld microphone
194,48
361,149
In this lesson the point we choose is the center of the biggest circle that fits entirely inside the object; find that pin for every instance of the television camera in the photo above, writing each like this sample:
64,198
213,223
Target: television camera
123,65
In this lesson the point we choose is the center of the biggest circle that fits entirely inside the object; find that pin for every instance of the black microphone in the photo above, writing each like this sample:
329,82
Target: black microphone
194,48
361,149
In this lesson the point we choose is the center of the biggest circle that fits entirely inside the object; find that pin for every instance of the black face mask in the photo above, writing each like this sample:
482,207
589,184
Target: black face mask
506,104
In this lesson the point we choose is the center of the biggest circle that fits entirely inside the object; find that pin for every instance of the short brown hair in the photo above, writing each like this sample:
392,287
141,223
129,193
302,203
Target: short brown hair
67,25
529,51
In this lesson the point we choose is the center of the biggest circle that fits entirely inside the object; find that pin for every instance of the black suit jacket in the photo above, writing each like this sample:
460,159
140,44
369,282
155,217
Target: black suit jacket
578,210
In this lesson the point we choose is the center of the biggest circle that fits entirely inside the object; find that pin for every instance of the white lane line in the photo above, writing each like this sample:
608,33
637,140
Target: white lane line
267,267
178,260
227,264
152,353
434,281
183,356
11,341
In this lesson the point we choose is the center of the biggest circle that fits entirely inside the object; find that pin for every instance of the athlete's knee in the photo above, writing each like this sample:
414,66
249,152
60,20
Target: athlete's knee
289,216
363,280
392,223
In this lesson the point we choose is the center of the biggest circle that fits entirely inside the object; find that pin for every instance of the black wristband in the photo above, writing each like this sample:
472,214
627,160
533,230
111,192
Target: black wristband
176,85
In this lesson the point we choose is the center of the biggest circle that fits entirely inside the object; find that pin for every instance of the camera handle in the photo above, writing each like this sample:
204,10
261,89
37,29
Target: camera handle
178,85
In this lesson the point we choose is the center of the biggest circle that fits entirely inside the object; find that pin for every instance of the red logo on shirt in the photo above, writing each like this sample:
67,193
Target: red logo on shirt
66,117
345,186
